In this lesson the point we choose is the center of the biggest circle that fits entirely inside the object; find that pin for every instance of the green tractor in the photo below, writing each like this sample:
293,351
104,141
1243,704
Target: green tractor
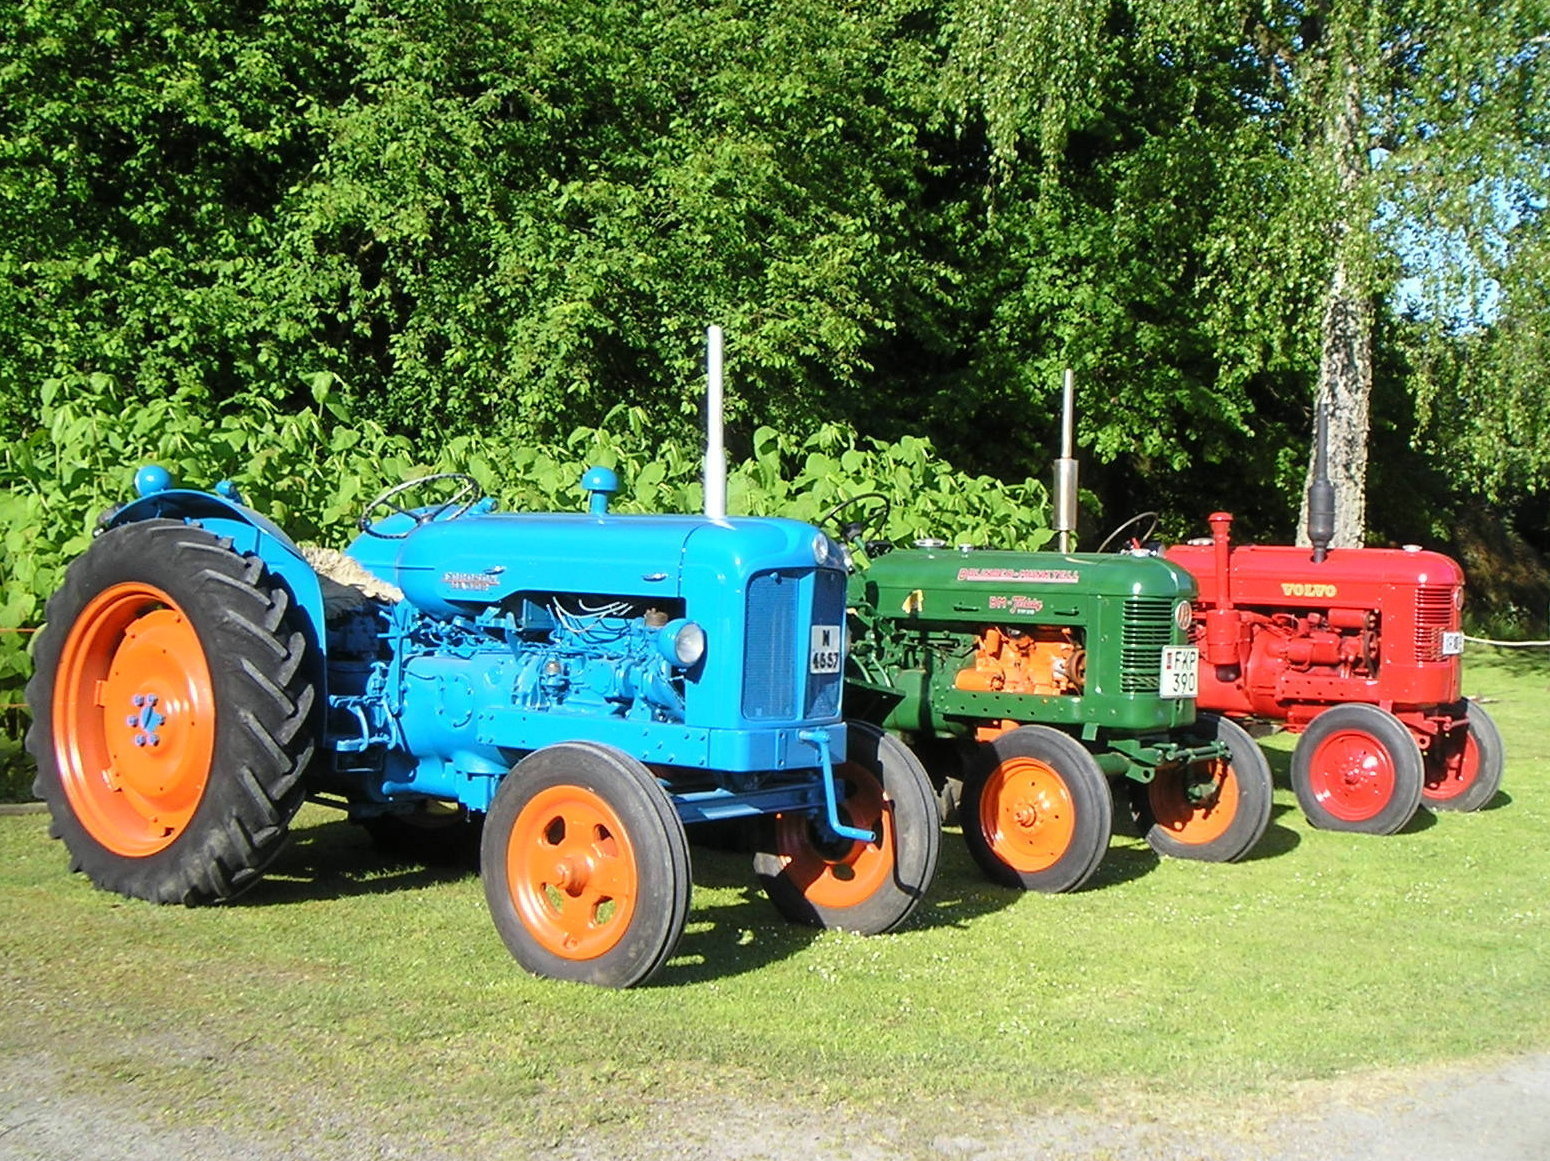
1026,681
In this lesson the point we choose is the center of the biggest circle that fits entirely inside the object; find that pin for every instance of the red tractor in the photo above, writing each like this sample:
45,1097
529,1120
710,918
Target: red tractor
1358,651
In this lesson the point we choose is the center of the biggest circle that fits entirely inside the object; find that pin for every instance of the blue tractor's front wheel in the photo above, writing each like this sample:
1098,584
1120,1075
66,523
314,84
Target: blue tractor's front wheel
585,866
866,887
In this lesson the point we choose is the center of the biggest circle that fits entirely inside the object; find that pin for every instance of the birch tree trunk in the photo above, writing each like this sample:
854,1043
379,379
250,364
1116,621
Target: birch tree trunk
1345,362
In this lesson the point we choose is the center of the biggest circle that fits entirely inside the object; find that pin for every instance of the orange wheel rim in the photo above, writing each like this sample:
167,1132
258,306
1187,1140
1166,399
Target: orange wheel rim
846,872
571,872
134,719
1199,817
1027,814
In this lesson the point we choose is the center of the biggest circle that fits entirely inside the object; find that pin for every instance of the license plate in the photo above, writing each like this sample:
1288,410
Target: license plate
1452,644
1180,671
827,649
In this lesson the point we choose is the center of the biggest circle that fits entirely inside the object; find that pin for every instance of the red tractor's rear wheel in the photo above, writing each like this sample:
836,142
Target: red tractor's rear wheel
1464,766
1357,768
172,704
1037,811
866,887
585,866
1213,811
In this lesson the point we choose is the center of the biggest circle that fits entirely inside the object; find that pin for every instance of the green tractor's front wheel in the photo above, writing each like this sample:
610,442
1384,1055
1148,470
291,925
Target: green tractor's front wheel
1036,811
172,705
1213,811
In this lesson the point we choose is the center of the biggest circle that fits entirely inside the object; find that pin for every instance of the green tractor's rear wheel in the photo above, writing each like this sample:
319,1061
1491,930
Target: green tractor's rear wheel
1212,811
1037,811
585,866
172,705
1464,766
865,887
1357,768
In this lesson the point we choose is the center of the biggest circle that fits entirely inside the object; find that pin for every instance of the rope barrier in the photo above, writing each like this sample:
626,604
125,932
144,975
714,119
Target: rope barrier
1509,644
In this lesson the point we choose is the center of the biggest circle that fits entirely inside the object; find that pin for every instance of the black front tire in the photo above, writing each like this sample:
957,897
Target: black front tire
1215,812
1464,770
1037,812
189,803
865,887
585,866
1357,768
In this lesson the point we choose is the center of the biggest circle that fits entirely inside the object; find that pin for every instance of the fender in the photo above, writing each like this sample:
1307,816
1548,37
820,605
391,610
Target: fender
222,513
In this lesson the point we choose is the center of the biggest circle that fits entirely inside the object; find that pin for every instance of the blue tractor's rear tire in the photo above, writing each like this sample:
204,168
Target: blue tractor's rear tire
585,866
865,887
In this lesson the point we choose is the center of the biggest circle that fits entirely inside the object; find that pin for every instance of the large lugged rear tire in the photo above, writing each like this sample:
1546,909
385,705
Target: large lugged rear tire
585,866
1464,768
172,704
1215,812
866,887
1357,768
1037,812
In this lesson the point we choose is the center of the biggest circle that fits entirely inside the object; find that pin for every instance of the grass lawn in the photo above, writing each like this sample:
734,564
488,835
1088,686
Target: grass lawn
356,988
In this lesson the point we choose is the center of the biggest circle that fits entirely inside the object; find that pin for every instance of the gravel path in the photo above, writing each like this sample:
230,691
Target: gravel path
1497,1113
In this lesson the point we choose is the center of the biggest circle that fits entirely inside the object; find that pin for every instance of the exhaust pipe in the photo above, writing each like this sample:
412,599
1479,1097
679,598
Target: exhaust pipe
1065,492
715,442
1321,493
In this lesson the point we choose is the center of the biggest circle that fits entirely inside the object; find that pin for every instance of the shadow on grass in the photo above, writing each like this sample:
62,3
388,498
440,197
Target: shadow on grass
1277,840
336,860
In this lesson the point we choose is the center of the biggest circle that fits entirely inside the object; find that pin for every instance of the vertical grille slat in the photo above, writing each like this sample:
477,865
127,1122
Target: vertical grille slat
1148,628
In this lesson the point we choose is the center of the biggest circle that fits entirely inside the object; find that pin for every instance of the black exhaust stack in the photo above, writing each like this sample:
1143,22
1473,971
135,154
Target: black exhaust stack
1321,495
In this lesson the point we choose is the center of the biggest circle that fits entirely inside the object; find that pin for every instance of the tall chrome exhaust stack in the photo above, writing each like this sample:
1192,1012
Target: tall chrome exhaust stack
1321,493
1065,469
715,442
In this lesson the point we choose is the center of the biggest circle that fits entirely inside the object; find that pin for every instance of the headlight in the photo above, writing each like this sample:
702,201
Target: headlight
682,642
826,553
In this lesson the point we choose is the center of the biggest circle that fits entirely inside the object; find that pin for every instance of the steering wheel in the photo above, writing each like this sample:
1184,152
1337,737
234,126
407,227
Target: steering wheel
1151,529
876,516
464,495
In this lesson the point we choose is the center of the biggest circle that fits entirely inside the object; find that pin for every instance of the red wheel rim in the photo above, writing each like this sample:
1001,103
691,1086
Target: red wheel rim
847,872
1452,766
571,872
1027,814
134,719
1352,775
1201,817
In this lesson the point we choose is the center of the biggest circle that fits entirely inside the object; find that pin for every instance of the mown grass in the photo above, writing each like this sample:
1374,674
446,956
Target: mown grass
349,990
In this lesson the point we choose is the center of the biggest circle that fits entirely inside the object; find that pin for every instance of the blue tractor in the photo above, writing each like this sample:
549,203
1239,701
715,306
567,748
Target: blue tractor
586,684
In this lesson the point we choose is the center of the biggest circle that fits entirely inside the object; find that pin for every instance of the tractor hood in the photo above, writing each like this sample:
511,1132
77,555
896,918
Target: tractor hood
949,584
453,566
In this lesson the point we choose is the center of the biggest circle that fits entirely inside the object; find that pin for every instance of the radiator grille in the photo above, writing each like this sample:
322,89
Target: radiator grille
1435,611
1148,629
770,658
823,689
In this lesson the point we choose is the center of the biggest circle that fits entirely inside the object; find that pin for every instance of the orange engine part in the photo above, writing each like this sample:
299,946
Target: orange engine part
1042,659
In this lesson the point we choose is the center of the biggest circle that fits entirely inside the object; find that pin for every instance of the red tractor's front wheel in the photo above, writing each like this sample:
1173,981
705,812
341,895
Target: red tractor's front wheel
172,704
1357,768
1037,811
1464,765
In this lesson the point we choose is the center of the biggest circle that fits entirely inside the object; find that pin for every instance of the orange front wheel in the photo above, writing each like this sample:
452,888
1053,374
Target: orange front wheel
1216,810
585,866
1036,811
866,887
